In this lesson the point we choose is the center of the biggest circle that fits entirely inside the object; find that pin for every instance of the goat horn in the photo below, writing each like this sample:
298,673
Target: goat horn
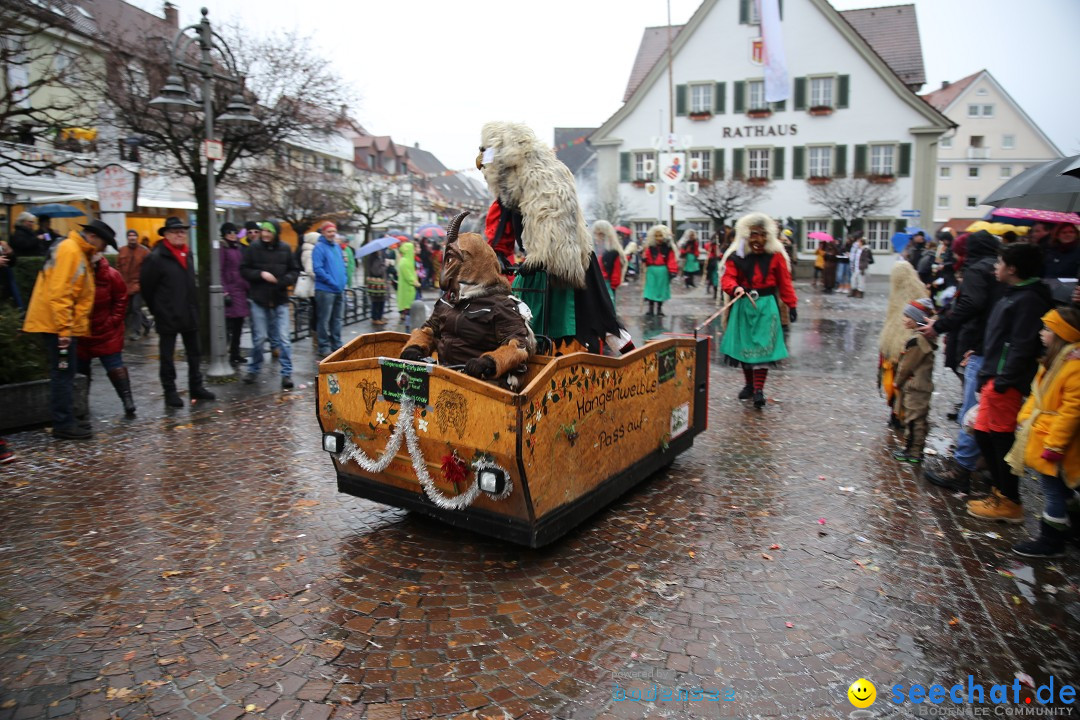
452,228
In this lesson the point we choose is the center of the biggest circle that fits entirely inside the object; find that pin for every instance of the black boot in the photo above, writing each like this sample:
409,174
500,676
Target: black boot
1049,544
759,399
199,392
172,398
660,309
122,384
747,392
651,311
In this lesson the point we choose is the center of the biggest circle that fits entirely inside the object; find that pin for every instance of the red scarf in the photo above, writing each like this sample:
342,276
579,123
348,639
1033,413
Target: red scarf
180,253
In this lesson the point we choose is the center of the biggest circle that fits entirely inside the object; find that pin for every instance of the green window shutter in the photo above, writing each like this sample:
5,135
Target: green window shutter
857,225
781,4
624,167
780,106
838,231
901,225
720,98
840,161
800,93
798,230
744,11
718,164
680,100
905,160
842,90
798,162
778,163
738,160
740,96
860,160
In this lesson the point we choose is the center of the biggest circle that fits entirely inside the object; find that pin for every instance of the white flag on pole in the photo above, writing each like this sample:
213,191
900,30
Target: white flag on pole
777,83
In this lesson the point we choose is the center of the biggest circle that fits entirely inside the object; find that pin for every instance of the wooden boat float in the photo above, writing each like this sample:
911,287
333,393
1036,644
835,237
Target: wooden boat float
522,466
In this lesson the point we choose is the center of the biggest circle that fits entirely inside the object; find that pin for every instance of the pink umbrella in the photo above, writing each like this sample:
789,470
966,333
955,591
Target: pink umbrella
823,237
1037,215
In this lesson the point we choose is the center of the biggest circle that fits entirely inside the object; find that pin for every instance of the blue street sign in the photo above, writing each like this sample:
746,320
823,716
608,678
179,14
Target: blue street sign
910,213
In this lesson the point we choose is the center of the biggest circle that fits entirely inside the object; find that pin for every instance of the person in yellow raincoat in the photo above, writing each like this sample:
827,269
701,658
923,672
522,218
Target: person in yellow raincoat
1048,437
59,310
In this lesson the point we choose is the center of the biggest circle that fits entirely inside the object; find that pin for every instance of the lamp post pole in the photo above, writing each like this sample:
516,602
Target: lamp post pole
174,96
9,198
219,365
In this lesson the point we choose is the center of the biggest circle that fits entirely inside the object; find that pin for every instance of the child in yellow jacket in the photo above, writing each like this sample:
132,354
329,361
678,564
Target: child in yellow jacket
1048,439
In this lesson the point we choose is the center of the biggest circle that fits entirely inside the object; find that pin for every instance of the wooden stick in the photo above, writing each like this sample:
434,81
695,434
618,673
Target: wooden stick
719,312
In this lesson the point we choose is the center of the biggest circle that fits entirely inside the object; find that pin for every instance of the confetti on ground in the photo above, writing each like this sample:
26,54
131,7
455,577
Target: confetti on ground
821,521
846,488
861,539
954,621
790,625
992,535
774,546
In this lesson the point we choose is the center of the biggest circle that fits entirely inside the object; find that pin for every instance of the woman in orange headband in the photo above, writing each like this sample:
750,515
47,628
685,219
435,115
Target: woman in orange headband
1048,439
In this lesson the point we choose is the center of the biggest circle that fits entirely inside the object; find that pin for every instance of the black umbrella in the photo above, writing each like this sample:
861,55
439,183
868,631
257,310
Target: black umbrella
1073,169
1042,187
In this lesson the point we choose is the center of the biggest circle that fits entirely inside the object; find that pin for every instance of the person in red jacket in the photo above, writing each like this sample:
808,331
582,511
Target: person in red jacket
756,273
661,264
106,339
612,255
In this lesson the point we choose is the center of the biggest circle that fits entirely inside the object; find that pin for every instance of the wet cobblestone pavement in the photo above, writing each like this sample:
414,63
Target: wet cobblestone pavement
200,564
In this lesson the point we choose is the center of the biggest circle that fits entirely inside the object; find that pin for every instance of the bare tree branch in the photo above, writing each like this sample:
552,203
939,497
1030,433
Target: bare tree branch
378,199
724,199
299,196
849,199
48,102
610,206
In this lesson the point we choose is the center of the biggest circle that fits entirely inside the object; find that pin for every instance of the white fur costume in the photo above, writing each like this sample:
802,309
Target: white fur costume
525,175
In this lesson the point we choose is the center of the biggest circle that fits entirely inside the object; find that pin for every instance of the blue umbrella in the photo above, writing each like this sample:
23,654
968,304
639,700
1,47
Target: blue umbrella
376,245
900,241
57,210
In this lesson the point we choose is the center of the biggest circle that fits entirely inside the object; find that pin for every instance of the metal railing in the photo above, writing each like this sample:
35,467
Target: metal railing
357,308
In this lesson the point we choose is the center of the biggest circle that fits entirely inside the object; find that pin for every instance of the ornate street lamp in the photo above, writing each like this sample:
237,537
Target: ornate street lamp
174,96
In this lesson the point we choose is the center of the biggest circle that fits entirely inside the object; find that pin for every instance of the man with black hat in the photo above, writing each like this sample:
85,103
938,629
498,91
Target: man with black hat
168,287
60,308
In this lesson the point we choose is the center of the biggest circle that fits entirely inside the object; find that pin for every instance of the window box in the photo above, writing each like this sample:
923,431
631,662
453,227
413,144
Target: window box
757,181
701,180
821,110
759,113
639,183
881,179
699,116
819,180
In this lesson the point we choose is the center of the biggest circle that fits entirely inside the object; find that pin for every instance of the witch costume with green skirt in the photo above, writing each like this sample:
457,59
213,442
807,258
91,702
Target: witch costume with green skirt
661,263
754,338
688,248
536,209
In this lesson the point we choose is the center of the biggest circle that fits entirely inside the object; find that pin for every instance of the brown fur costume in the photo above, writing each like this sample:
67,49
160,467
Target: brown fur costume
477,321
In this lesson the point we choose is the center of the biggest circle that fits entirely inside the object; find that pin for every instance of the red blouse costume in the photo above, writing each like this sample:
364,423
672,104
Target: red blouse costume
760,271
661,255
613,274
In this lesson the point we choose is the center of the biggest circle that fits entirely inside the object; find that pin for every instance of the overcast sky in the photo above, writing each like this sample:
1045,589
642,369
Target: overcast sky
434,72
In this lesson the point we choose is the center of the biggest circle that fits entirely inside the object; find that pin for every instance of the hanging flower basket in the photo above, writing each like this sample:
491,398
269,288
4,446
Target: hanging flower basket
759,113
821,110
819,180
881,179
701,180
699,116
639,183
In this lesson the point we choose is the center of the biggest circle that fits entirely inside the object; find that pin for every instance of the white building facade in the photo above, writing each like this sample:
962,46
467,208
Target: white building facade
848,114
995,140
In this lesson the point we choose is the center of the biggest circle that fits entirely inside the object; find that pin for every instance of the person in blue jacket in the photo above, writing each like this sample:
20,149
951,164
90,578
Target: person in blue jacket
328,264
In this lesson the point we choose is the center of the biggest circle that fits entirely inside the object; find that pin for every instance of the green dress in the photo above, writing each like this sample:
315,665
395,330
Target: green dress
657,283
691,264
753,335
553,314
406,277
